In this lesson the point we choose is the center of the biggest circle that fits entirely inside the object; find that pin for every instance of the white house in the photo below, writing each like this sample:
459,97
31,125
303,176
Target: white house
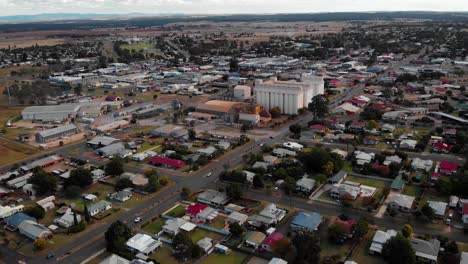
363,157
439,208
47,203
99,207
408,144
122,196
293,146
68,219
270,215
402,202
305,185
143,244
281,152
380,238
423,165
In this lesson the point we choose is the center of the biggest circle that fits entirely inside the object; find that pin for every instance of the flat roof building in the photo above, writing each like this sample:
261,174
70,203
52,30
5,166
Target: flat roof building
50,113
56,133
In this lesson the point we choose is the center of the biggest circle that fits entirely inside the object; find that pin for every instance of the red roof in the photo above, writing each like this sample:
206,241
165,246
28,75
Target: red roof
370,139
357,102
441,145
318,127
272,239
358,123
347,225
194,209
167,161
435,176
441,89
465,209
448,167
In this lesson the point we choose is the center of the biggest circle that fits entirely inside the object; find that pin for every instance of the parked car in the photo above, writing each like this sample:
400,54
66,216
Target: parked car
138,219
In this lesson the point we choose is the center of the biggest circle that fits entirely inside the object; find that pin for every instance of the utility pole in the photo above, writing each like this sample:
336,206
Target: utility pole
8,89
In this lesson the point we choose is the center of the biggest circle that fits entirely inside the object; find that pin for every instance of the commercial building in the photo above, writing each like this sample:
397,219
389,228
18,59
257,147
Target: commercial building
44,162
223,109
288,96
50,113
56,133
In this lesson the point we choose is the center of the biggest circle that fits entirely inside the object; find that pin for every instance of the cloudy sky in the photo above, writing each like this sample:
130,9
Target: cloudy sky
19,7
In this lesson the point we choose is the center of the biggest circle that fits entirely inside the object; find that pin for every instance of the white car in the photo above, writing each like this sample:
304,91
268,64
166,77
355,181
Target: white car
138,219
209,174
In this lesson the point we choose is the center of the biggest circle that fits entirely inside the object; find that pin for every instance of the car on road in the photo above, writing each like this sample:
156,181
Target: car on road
138,219
209,174
50,256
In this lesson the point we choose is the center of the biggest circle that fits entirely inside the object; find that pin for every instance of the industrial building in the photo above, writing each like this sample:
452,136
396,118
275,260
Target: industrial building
51,113
56,133
289,96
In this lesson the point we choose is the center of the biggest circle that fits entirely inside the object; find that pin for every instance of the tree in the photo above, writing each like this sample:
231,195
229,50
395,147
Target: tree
257,181
236,230
398,250
428,212
328,168
275,112
75,219
77,89
183,246
295,129
234,65
319,106
80,177
192,134
153,183
361,228
40,243
123,184
72,191
185,193
164,180
335,232
307,248
234,191
35,211
372,125
115,167
407,231
43,182
282,246
86,214
116,236
102,62
444,185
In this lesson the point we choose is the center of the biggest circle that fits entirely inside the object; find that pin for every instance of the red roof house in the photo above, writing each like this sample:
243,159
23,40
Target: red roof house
268,243
347,225
167,162
194,209
317,128
441,147
448,168
370,141
357,102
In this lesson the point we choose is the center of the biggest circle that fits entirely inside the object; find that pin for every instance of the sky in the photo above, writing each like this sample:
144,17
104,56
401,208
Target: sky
21,7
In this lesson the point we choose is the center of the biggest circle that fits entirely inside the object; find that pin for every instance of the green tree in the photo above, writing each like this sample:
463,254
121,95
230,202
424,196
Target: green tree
234,191
335,232
398,250
257,181
115,167
361,228
185,193
192,134
407,231
35,211
80,177
372,124
183,246
319,106
328,168
307,247
444,185
164,180
234,65
295,129
43,182
123,183
40,243
275,112
428,212
236,230
153,183
116,236
72,191
87,216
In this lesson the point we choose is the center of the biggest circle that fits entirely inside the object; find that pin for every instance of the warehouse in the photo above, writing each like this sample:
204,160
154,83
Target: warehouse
56,133
224,109
50,113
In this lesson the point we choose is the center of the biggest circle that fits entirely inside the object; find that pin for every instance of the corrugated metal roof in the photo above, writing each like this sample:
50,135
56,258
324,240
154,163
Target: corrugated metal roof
58,130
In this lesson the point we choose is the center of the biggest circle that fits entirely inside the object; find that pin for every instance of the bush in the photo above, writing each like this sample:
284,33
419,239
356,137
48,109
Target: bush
35,211
77,228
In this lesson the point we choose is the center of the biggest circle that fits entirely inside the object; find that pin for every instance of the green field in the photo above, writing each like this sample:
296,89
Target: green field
231,258
156,226
178,211
199,234
411,190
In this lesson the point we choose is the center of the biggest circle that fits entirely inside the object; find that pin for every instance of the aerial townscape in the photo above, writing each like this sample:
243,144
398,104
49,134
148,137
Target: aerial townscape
261,137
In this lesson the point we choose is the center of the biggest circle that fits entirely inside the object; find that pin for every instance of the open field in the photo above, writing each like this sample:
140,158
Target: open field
29,42
12,152
138,46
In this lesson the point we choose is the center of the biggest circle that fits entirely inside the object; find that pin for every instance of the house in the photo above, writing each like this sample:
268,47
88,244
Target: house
254,239
422,165
233,208
270,215
167,162
194,209
47,203
363,158
306,221
427,251
15,220
379,240
401,202
249,176
339,177
346,109
441,147
98,174
345,191
409,144
207,215
448,168
270,159
293,146
223,145
68,219
208,151
236,217
346,224
260,164
370,141
115,259
392,159
281,152
388,128
99,207
33,230
6,211
213,198
172,226
122,196
398,184
464,258
319,129
357,126
206,244
439,208
101,141
116,149
305,185
342,153
453,202
277,261
465,213
268,243
142,244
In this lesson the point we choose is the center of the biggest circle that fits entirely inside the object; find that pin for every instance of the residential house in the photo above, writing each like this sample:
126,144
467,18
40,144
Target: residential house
388,128
339,177
392,159
370,141
269,216
236,217
15,220
270,159
6,211
398,184
401,202
98,174
47,203
440,147
379,240
465,214
342,153
260,164
254,239
363,158
122,196
345,191
306,221
115,259
453,202
305,185
422,165
448,168
346,109
213,198
172,226
346,224
207,215
427,251
281,152
439,208
99,207
318,129
33,230
223,145
116,149
464,258
409,144
357,126
277,261
268,243
205,243
143,244
101,141
249,176
167,162
68,219
194,209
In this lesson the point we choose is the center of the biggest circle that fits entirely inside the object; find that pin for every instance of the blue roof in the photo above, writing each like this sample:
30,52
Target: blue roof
16,219
307,220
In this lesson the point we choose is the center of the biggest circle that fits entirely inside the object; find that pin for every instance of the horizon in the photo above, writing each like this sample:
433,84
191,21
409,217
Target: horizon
217,7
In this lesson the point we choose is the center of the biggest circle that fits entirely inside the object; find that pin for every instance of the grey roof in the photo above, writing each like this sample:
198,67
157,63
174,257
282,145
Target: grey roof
101,205
438,207
51,109
122,194
57,130
237,217
112,149
114,259
38,162
213,197
103,140
306,183
339,176
32,229
426,247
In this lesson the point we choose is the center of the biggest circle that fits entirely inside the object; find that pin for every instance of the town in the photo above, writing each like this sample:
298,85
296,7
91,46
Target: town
235,141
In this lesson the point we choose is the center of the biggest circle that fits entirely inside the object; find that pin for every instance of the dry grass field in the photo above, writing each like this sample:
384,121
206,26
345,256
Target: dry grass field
28,42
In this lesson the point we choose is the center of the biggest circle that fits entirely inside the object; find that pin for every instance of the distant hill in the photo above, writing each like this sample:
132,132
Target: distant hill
71,16
142,20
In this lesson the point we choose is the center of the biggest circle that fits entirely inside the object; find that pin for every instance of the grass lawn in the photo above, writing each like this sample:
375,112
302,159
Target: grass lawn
14,152
369,182
148,146
326,196
348,167
178,211
218,223
100,190
8,113
231,258
155,227
199,234
361,252
163,255
412,190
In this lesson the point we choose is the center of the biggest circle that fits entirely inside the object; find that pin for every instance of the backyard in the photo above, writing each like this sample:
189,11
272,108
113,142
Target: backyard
163,255
155,226
177,211
199,234
231,258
